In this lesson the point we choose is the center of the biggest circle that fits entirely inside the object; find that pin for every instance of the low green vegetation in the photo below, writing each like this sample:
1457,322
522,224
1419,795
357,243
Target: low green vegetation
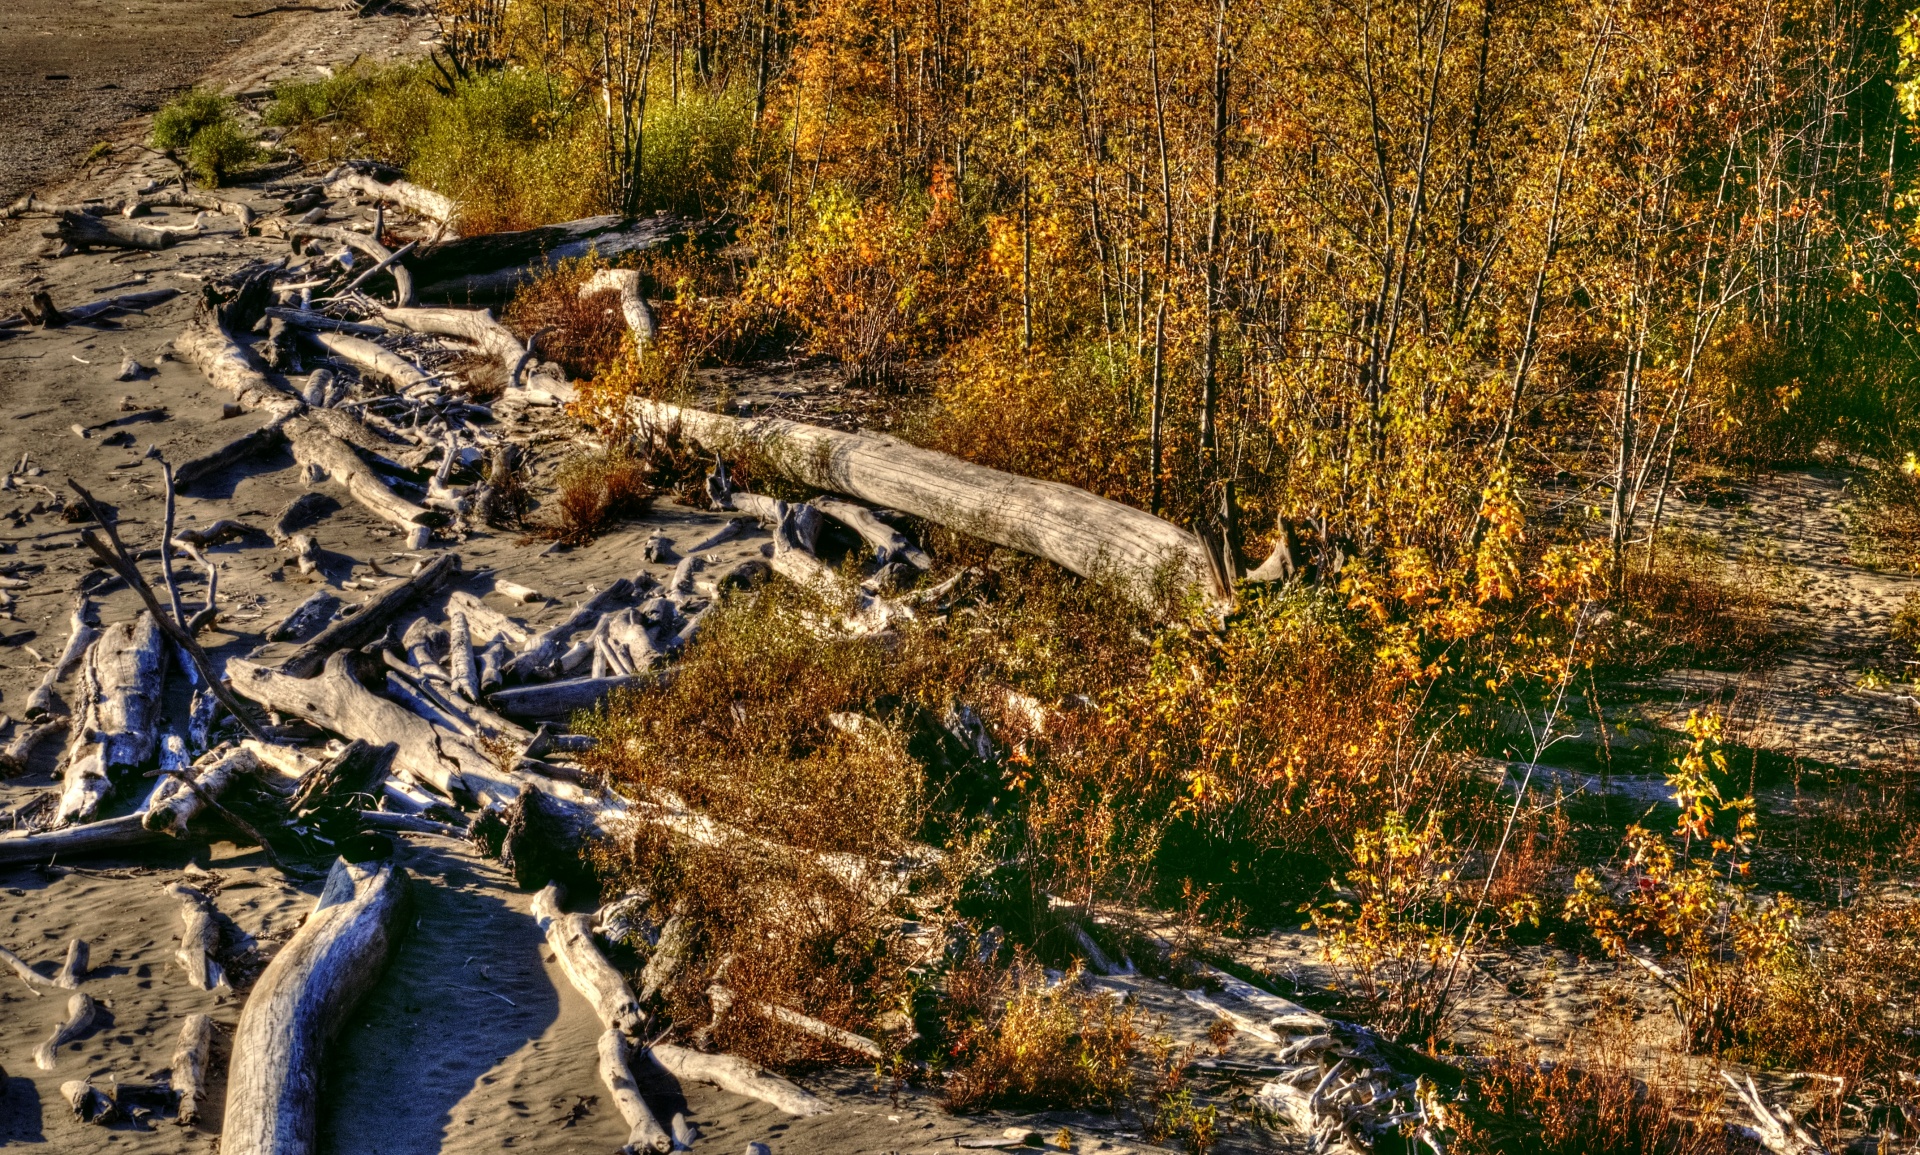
203,128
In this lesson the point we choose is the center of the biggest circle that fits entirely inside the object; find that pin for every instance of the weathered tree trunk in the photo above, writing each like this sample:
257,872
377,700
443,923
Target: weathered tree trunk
116,719
199,937
1151,560
299,1003
230,367
189,1075
737,1076
172,807
489,268
86,231
423,202
559,699
372,619
644,1131
80,635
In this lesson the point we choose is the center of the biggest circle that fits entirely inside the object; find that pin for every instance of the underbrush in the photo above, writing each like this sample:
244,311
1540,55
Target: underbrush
1017,1040
1592,1101
202,127
1883,516
1688,602
516,147
594,489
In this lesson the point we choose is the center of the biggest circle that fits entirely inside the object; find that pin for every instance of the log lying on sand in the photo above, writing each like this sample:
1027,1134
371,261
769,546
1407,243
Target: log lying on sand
27,974
1088,535
571,938
187,199
80,1014
316,446
738,1076
644,1131
174,805
73,969
489,268
298,1004
80,635
371,621
360,243
189,1075
199,936
86,231
14,758
116,713
231,368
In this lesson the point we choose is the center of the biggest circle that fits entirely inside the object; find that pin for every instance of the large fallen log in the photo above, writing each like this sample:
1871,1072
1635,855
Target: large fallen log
489,268
298,1004
737,1076
371,621
1149,559
116,714
316,446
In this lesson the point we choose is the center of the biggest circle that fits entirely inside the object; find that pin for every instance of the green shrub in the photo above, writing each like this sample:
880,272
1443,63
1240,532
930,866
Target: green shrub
200,124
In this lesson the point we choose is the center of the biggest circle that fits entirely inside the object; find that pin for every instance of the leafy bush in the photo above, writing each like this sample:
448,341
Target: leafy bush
593,490
1018,1041
201,124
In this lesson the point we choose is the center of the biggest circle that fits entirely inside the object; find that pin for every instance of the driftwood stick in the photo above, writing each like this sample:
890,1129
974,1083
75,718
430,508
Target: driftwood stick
199,937
1776,1129
115,555
80,1014
543,651
424,202
27,974
464,670
644,1131
189,1076
317,446
298,1004
361,243
571,938
166,546
738,1076
14,758
80,635
888,543
805,1024
372,620
558,699
372,360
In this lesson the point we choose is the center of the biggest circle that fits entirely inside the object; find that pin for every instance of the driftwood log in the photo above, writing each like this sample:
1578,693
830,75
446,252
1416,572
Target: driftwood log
571,938
372,360
316,446
199,938
86,231
738,1076
27,974
372,619
232,369
170,809
116,715
478,328
559,699
888,543
422,202
14,758
73,969
298,1004
80,635
644,1132
1083,533
189,1075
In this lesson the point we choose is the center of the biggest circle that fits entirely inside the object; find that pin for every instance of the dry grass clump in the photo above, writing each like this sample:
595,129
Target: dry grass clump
1586,1104
1703,607
1016,1041
593,490
583,334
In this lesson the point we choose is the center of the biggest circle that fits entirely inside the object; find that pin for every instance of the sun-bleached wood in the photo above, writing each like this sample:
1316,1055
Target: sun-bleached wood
173,805
360,243
232,370
28,975
199,936
571,938
80,635
298,1004
116,720
477,327
189,1074
371,621
644,1132
736,1075
1084,533
317,446
633,306
423,202
73,969
80,1014
888,543
372,360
